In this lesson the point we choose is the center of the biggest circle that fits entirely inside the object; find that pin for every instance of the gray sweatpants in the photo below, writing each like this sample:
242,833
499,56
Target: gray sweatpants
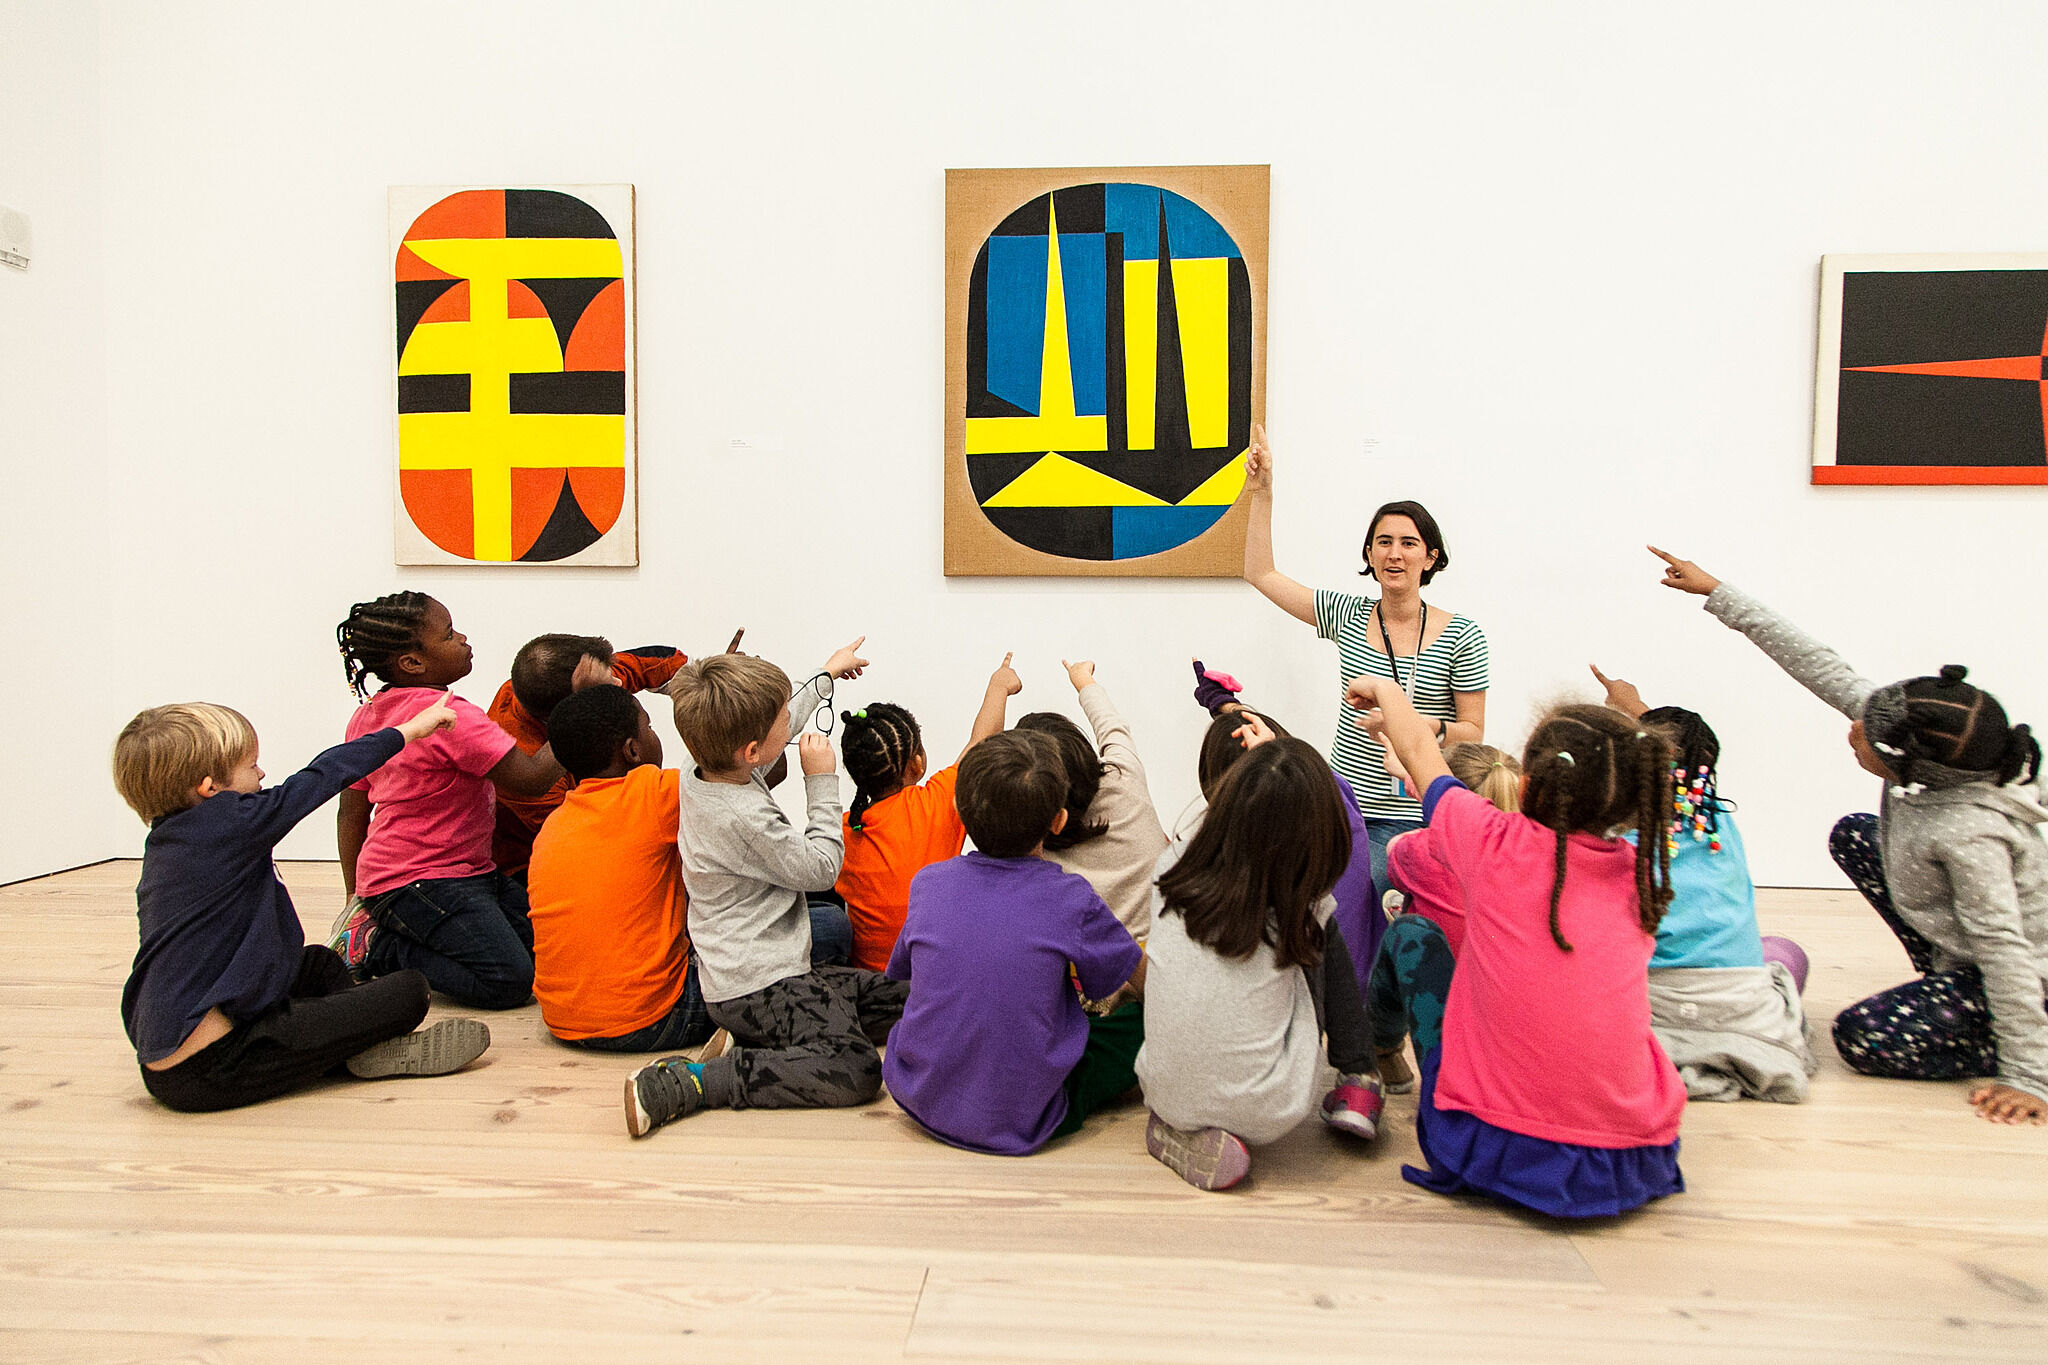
805,1042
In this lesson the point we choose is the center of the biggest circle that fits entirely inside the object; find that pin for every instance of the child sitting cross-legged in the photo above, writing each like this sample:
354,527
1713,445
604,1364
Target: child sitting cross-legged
611,956
994,1053
805,1036
901,821
227,1004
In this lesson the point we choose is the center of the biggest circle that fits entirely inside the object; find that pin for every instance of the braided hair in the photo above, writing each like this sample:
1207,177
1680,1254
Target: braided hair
376,633
1591,770
1696,758
879,743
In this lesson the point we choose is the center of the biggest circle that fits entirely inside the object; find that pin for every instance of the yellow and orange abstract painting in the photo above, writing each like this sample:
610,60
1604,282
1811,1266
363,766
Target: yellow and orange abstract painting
514,398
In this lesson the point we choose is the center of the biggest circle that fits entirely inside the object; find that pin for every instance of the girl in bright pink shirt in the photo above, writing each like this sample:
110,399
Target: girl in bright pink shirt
1548,1088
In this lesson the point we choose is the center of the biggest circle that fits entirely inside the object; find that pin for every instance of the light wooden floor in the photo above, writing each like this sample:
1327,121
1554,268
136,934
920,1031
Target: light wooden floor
503,1213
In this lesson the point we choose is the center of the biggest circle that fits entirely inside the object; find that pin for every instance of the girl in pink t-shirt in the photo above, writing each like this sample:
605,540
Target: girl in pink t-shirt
1548,1088
415,836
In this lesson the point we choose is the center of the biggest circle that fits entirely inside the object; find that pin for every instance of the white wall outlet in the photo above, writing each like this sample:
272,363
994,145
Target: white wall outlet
14,238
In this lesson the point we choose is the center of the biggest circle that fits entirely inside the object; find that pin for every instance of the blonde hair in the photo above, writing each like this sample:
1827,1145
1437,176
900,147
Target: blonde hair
1489,772
724,703
163,753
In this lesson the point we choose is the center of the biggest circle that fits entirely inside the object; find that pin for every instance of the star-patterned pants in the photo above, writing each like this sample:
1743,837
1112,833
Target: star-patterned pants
1937,1028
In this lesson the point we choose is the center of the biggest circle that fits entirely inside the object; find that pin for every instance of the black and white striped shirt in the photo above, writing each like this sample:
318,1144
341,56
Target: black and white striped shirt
1456,661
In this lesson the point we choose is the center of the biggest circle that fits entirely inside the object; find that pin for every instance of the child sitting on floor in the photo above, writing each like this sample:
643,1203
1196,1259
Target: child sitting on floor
415,835
1238,963
611,955
227,1004
545,671
1953,862
1723,999
1547,1088
900,821
994,1053
805,1036
1112,836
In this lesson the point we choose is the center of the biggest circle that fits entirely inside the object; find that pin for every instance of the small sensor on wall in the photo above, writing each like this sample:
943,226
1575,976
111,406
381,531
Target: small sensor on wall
14,238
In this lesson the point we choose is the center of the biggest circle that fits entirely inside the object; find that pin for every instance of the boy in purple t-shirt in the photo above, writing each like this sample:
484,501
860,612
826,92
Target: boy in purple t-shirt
994,1052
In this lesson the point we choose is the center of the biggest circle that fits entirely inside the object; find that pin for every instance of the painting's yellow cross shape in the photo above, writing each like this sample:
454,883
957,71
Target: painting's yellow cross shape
490,440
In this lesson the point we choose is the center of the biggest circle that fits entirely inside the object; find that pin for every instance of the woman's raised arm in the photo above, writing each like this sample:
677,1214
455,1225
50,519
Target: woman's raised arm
1296,599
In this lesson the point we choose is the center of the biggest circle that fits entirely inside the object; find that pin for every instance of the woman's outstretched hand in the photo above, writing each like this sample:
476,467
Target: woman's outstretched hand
1258,462
1685,575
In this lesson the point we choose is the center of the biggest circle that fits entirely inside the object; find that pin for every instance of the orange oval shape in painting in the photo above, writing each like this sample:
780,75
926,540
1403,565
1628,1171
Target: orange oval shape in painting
513,435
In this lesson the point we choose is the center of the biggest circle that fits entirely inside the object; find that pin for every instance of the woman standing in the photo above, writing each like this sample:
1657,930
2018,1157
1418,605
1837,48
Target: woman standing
1435,656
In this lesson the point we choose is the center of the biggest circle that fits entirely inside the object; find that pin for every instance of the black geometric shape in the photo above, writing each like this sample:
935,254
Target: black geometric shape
1070,532
1029,221
565,300
433,393
1170,430
1115,380
989,475
1079,208
415,297
1925,419
550,213
576,391
1912,317
1240,355
567,531
1168,475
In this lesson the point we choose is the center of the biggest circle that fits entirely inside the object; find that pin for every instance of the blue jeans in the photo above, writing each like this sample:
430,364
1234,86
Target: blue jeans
831,931
470,937
687,1025
1378,834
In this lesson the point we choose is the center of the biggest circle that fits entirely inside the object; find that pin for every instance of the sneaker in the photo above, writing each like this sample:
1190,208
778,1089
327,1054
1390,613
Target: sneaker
1208,1158
349,935
1396,1076
435,1050
662,1092
1354,1106
1393,903
717,1045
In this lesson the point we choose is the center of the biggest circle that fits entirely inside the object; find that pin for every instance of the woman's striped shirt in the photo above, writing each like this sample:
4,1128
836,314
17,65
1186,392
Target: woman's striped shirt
1456,661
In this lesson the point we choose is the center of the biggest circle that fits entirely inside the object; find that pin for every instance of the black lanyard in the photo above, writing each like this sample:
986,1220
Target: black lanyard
1393,664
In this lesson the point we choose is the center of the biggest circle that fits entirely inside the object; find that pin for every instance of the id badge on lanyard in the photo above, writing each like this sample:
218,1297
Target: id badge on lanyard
1395,787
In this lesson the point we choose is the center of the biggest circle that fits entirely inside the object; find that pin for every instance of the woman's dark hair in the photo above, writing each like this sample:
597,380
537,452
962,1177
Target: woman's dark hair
376,633
588,728
878,743
1273,844
1221,748
1593,770
1084,776
1432,537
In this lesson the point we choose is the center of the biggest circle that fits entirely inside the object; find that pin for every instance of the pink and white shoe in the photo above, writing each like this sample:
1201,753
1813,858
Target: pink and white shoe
1354,1106
349,935
1207,1158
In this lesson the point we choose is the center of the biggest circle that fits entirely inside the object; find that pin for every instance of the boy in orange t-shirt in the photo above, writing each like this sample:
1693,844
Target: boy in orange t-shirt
612,961
899,823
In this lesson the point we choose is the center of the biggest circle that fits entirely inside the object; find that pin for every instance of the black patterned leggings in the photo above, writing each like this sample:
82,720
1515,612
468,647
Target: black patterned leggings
805,1042
1937,1028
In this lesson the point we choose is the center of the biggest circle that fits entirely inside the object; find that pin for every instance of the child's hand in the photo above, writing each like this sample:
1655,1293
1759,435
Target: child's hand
1215,692
1363,693
1374,723
734,647
846,663
1254,731
1621,694
1005,679
591,671
1685,575
437,716
1258,462
1081,674
2003,1104
814,753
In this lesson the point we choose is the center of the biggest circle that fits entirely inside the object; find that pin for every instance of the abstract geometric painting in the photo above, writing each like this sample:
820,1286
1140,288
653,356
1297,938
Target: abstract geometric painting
1930,370
515,375
1105,364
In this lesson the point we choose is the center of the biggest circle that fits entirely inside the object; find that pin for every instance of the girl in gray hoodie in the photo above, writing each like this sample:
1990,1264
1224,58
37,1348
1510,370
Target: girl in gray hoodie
1952,861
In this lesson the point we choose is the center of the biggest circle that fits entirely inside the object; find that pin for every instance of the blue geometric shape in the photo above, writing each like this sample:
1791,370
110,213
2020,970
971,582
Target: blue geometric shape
1133,210
1016,318
1191,232
1084,270
1138,531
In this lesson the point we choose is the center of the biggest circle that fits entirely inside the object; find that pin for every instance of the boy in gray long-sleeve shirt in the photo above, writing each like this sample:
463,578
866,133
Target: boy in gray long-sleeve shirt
1961,871
805,1036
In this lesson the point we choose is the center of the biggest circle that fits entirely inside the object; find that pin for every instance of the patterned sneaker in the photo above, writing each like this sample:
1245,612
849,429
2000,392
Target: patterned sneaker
1354,1106
662,1092
1208,1158
434,1050
1397,1076
349,935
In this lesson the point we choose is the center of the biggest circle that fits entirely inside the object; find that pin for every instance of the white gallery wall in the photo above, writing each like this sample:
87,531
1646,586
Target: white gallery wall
1551,270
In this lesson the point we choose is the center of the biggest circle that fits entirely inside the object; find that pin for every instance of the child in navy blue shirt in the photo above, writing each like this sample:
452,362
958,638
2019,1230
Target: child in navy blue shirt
226,1004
